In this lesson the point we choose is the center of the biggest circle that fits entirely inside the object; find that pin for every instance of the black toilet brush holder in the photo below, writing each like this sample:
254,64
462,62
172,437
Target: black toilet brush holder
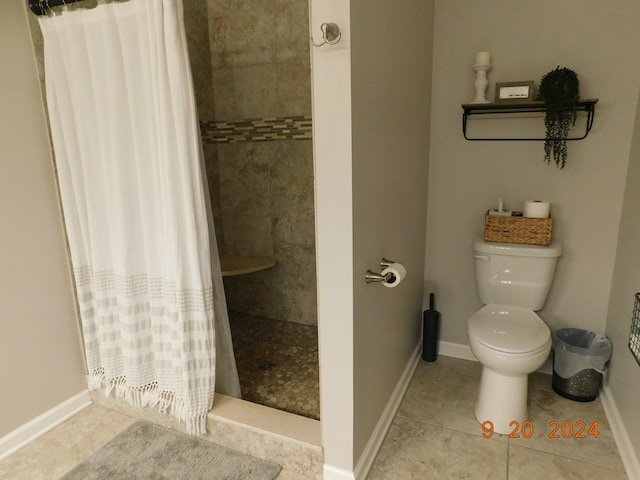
430,331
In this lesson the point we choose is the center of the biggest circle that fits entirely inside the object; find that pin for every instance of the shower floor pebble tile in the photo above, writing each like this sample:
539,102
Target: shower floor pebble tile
277,363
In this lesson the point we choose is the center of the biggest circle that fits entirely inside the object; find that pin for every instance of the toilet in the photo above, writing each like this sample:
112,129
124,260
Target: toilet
506,335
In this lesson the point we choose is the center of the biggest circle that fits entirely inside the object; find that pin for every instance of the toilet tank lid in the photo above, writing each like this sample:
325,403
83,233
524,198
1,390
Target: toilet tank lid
514,249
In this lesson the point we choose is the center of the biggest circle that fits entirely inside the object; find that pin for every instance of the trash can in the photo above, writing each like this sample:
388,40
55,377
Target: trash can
579,357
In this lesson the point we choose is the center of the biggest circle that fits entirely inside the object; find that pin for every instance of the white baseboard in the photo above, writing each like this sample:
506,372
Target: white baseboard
456,350
620,435
333,473
40,425
384,423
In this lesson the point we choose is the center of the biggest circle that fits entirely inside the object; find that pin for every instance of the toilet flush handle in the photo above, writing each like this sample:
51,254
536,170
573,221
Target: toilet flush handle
484,258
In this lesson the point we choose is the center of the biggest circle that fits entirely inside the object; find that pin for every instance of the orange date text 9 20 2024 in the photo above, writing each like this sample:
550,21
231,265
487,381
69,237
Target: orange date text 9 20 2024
566,429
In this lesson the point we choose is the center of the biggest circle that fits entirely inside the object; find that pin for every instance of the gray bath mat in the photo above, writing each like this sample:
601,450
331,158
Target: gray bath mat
147,451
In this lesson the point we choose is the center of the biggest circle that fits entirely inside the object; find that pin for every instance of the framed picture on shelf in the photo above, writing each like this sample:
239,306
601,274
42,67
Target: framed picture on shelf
514,92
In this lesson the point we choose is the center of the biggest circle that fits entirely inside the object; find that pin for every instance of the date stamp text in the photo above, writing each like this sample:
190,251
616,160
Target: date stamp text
556,429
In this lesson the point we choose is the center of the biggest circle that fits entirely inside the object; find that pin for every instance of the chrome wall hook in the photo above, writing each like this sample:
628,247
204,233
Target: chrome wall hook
330,35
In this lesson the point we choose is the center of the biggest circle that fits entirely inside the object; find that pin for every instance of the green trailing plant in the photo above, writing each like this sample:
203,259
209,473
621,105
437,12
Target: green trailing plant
560,91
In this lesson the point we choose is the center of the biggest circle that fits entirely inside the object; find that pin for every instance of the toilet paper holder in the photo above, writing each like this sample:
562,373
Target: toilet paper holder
371,277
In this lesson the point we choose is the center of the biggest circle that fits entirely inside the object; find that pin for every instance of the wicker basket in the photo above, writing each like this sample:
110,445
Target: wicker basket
528,231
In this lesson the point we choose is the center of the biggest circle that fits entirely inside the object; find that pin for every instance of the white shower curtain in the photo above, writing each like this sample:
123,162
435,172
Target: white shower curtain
130,168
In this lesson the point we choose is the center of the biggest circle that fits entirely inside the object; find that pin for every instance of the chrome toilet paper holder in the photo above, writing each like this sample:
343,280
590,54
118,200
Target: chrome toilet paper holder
371,277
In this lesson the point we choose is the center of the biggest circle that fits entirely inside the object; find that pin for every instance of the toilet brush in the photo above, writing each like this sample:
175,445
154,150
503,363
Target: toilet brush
430,328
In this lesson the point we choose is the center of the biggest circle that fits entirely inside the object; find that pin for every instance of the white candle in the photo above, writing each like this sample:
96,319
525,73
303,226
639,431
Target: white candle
483,58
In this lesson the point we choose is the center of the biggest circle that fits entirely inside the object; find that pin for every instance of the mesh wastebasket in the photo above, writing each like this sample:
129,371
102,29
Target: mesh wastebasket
579,358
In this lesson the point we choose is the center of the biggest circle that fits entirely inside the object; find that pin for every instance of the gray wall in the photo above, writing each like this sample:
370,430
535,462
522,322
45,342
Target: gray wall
390,142
624,373
527,39
372,93
40,349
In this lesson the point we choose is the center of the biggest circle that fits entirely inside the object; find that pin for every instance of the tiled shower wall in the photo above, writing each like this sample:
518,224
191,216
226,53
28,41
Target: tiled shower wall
250,60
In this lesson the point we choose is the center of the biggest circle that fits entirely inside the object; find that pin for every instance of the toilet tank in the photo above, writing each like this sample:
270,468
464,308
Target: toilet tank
513,274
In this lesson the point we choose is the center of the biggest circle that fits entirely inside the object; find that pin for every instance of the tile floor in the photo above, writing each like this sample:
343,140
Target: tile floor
434,436
277,363
59,450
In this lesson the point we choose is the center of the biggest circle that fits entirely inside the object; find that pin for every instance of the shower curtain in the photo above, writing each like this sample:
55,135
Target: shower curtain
130,168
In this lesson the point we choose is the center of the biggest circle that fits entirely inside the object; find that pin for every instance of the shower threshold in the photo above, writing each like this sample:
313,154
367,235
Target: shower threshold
259,418
285,438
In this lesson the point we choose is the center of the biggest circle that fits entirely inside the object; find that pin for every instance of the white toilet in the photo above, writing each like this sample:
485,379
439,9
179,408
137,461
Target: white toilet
506,335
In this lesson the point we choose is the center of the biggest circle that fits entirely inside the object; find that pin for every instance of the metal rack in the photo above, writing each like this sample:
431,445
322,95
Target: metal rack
634,334
473,109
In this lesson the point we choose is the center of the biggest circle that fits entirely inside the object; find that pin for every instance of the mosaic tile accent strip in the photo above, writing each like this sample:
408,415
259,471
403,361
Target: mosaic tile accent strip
259,130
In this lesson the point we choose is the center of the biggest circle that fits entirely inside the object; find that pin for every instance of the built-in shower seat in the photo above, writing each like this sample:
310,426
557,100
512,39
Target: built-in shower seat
239,265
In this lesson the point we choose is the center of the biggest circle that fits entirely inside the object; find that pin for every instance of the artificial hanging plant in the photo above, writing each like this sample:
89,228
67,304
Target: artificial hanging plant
560,91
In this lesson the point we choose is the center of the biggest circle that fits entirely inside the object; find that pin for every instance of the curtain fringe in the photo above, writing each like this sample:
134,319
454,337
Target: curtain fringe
149,396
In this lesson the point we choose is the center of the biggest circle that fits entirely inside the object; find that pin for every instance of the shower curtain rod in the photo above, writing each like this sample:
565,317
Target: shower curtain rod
39,7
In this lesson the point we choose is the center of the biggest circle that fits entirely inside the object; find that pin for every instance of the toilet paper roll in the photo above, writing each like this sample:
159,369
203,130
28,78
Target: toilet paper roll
536,209
398,271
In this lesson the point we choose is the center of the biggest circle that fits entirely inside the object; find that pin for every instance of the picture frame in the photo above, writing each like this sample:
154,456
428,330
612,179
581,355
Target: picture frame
509,92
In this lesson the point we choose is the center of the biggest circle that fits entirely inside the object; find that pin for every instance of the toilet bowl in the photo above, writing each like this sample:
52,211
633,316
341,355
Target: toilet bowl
506,335
510,342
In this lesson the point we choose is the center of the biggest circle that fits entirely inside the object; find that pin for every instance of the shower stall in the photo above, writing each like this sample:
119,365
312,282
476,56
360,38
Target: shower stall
250,64
251,71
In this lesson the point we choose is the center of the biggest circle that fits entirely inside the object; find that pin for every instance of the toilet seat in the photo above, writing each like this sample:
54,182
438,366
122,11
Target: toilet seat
508,329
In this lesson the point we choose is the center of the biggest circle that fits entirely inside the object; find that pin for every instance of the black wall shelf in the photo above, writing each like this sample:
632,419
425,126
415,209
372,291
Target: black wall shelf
472,109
